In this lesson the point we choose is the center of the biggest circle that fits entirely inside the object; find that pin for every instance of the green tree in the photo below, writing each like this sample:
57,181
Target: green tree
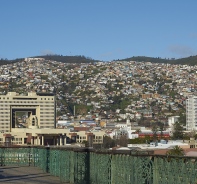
122,141
177,131
182,119
176,151
161,129
154,130
108,142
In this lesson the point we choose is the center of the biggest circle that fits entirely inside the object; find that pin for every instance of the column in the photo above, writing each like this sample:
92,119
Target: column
57,139
42,140
31,140
64,139
61,137
38,140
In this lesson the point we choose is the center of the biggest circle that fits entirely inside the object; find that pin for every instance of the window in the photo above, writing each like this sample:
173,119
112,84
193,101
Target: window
33,122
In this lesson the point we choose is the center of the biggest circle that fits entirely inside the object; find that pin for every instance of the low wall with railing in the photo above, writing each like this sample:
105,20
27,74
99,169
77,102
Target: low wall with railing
87,166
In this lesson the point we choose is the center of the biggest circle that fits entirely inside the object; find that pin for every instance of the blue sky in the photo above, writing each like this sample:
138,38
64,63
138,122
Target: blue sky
100,29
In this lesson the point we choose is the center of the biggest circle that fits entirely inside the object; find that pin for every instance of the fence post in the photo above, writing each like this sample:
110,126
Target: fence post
155,170
2,156
81,166
47,159
29,154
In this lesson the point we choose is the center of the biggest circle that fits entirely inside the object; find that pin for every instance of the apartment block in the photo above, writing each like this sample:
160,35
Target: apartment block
191,113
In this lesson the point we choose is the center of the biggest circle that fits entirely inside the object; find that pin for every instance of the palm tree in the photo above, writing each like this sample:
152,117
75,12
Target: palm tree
176,151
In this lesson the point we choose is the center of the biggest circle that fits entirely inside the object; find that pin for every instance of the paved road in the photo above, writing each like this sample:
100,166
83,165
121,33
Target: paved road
29,175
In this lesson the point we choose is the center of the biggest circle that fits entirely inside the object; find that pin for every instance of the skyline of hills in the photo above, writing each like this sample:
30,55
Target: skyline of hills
191,60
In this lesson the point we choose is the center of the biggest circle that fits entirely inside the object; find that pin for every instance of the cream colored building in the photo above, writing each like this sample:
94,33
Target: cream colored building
45,136
40,109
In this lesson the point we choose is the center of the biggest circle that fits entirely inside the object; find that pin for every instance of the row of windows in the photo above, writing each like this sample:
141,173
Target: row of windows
82,137
17,142
46,110
98,137
97,140
43,119
4,98
17,139
7,98
44,122
49,115
46,98
47,106
45,126
11,102
6,112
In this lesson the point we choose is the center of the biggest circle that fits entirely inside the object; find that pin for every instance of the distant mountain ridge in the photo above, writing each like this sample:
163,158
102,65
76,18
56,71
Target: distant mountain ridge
58,58
192,60
68,59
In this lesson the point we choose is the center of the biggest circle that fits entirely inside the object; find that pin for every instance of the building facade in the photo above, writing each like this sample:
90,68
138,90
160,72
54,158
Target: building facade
191,113
31,120
39,109
172,120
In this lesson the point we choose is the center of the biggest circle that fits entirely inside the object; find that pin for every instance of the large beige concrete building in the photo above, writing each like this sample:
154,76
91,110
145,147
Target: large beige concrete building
39,107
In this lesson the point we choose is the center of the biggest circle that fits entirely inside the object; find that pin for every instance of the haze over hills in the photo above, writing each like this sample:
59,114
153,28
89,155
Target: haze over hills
191,60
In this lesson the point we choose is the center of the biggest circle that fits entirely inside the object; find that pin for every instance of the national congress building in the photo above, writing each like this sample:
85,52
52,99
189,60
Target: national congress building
40,109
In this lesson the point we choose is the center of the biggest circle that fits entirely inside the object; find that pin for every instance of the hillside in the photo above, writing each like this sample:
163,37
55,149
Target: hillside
6,61
192,60
68,59
58,58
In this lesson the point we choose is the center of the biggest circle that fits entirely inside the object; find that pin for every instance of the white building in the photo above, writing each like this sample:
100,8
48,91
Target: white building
172,120
191,113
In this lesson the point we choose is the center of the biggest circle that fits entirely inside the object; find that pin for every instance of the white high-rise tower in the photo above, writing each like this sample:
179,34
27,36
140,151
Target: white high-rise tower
191,113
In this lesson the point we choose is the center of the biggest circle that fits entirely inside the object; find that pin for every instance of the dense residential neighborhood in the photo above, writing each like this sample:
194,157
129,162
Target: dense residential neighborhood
123,98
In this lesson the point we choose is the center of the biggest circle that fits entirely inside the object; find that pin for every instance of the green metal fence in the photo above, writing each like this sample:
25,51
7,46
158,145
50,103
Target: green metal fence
86,166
